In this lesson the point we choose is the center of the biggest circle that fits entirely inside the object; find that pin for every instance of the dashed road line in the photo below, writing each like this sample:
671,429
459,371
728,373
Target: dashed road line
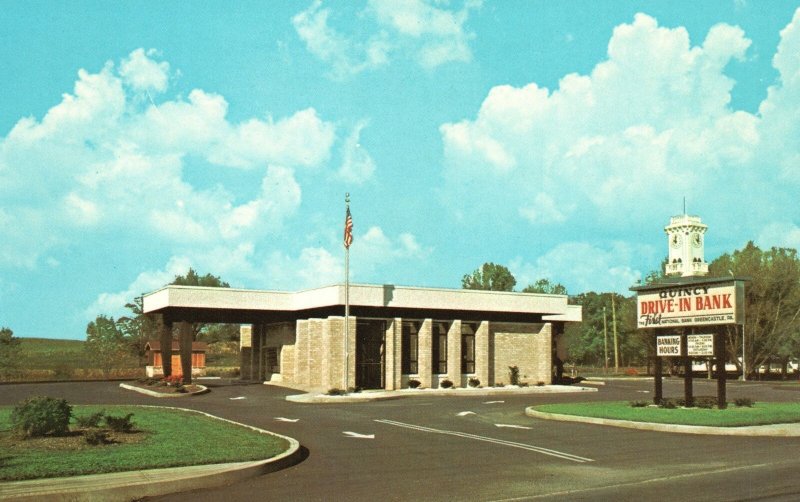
513,444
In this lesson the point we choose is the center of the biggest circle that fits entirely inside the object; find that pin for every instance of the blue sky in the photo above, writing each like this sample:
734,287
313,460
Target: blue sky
138,139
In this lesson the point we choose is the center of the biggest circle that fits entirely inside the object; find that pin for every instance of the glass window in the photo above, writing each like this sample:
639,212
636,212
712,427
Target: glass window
467,348
410,347
439,349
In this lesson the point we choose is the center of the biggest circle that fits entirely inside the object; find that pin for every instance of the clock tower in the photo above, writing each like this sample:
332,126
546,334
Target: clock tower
686,241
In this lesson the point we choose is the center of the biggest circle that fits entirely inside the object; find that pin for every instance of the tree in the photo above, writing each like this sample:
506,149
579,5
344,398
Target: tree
772,304
490,277
209,332
544,286
105,343
9,353
137,329
193,279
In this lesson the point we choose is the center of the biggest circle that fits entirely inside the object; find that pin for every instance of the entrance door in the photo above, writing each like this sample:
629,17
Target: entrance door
370,354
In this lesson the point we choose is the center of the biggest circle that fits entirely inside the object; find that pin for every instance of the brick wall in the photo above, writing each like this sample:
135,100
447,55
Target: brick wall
524,345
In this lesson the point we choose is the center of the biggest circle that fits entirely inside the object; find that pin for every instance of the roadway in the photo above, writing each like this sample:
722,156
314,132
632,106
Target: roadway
481,447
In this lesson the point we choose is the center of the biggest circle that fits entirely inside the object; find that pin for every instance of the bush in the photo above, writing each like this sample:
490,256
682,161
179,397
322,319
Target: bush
744,402
40,415
120,424
95,436
668,404
706,402
499,384
90,421
540,384
175,380
335,391
474,382
631,372
513,375
354,390
639,404
445,384
413,384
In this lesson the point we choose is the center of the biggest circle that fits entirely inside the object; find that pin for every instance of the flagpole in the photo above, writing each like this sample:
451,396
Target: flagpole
346,294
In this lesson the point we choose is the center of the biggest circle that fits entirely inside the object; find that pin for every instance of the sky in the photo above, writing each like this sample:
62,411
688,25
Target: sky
138,139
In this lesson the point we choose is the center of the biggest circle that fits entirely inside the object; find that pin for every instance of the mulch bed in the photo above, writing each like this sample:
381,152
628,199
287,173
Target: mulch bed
10,442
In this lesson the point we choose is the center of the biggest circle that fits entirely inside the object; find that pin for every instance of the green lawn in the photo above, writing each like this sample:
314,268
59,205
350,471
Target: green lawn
759,414
169,438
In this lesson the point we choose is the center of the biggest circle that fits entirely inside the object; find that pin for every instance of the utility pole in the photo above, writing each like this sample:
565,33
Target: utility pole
614,329
605,341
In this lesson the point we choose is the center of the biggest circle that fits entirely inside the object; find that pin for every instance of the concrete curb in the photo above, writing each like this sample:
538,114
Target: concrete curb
134,485
775,430
361,397
152,393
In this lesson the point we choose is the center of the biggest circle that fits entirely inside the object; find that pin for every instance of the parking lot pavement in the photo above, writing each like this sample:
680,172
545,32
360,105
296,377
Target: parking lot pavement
478,448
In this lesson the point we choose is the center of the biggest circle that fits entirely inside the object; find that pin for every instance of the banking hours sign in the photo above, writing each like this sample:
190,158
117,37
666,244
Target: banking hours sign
690,302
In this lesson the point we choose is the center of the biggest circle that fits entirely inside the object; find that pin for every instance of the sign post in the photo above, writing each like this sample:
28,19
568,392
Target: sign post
673,309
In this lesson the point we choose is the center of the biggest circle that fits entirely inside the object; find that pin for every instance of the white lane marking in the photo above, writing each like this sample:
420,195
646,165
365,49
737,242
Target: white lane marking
282,419
465,413
358,436
538,449
493,402
513,426
237,398
643,391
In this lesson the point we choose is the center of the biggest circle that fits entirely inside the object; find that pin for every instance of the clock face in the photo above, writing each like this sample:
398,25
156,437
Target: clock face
675,241
697,240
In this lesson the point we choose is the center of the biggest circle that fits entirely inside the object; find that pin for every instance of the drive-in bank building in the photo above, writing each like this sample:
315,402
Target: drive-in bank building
395,333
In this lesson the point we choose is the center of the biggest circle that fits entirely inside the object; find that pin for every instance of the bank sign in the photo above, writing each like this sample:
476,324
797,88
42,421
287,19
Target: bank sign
691,305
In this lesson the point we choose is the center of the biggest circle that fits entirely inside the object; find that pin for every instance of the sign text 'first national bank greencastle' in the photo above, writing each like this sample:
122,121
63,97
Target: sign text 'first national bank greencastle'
696,304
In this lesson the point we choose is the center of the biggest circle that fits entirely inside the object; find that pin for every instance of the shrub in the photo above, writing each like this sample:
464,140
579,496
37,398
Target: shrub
40,415
95,436
90,421
335,391
639,404
474,382
354,390
175,380
540,384
668,404
706,402
744,402
120,424
513,375
445,384
499,384
631,372
414,383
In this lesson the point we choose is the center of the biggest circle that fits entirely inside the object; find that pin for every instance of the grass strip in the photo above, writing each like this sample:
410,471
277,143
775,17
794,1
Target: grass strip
759,414
164,438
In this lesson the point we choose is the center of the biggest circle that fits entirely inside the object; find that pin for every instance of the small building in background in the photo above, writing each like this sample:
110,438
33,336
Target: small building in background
155,368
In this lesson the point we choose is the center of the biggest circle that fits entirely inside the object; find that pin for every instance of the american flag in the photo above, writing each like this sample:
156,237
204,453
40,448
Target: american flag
348,230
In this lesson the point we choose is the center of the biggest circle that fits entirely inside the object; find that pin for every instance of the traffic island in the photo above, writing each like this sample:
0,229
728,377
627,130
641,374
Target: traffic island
763,419
235,450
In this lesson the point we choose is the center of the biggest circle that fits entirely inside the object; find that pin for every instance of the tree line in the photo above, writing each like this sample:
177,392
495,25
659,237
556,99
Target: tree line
772,312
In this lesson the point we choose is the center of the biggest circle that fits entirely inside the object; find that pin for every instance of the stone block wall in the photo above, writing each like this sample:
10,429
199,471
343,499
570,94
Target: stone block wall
524,345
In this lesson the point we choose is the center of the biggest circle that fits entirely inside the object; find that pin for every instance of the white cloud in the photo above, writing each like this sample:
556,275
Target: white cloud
142,73
622,145
781,234
103,161
357,164
422,30
113,304
582,267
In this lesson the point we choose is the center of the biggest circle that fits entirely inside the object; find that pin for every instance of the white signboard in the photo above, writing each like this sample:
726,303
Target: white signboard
245,336
690,305
668,346
700,345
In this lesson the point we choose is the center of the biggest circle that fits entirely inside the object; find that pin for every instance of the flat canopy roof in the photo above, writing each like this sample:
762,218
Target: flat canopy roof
200,304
